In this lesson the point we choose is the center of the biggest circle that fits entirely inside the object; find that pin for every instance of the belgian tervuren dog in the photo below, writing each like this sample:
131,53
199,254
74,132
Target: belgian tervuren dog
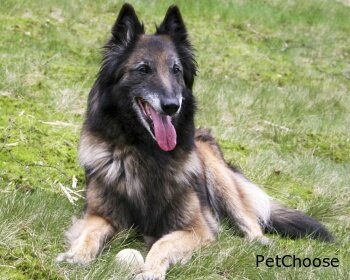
147,166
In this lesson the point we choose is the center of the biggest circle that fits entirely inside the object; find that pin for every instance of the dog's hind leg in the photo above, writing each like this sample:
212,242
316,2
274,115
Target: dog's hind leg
85,239
236,204
228,192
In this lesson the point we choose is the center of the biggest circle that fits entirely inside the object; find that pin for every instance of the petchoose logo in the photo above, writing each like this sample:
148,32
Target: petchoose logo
293,261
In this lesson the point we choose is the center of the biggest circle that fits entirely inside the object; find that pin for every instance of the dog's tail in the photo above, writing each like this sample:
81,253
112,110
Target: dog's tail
295,224
277,218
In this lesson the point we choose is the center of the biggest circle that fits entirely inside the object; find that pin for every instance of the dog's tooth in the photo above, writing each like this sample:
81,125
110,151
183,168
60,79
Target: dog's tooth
148,111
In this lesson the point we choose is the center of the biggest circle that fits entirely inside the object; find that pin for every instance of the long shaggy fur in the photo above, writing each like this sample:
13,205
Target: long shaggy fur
147,167
295,224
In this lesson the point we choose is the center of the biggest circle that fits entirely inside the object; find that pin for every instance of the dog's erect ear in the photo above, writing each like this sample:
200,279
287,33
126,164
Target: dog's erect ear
124,33
172,24
127,26
174,27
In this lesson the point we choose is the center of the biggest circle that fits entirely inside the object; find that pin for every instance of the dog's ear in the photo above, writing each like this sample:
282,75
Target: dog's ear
174,26
127,26
124,33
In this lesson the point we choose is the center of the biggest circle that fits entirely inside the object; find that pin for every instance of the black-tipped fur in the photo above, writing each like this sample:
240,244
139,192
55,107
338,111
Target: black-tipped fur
295,224
127,26
170,195
125,32
174,27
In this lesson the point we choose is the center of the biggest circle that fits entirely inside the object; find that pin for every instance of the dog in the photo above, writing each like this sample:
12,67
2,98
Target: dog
146,165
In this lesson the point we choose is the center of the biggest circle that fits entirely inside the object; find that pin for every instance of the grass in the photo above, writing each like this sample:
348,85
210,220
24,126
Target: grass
273,85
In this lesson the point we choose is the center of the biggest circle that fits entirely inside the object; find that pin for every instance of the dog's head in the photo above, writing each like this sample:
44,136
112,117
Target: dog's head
146,80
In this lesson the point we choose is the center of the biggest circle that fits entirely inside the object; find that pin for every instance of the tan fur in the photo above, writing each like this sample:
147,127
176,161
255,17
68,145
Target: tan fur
85,239
95,154
175,199
158,56
177,246
163,68
93,196
225,185
86,236
192,166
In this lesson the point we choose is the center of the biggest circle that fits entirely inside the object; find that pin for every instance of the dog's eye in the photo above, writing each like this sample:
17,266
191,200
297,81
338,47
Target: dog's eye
176,69
144,68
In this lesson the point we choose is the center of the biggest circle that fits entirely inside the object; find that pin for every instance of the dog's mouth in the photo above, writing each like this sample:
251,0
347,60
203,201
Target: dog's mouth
160,125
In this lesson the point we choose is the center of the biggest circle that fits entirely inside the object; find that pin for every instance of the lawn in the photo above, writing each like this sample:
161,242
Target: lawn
273,84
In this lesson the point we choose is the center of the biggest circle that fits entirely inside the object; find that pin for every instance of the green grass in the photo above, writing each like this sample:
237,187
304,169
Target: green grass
273,85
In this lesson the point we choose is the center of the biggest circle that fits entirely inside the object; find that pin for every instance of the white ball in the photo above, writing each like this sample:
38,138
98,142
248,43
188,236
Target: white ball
131,258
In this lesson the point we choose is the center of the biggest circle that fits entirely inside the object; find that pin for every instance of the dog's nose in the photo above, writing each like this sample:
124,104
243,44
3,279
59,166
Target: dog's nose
170,106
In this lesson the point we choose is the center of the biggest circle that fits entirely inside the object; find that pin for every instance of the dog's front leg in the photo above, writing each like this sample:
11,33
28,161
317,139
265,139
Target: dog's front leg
85,239
174,247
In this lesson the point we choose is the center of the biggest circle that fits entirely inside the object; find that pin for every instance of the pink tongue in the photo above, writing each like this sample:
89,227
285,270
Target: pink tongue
164,130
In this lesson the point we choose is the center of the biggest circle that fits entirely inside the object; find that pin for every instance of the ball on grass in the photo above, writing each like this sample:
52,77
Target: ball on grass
132,259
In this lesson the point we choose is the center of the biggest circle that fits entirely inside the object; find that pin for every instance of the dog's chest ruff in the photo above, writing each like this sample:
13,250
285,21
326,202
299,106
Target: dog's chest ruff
112,166
128,182
130,172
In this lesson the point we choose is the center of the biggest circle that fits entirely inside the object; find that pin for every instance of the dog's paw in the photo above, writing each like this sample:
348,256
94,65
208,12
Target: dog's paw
265,241
149,275
77,257
65,257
